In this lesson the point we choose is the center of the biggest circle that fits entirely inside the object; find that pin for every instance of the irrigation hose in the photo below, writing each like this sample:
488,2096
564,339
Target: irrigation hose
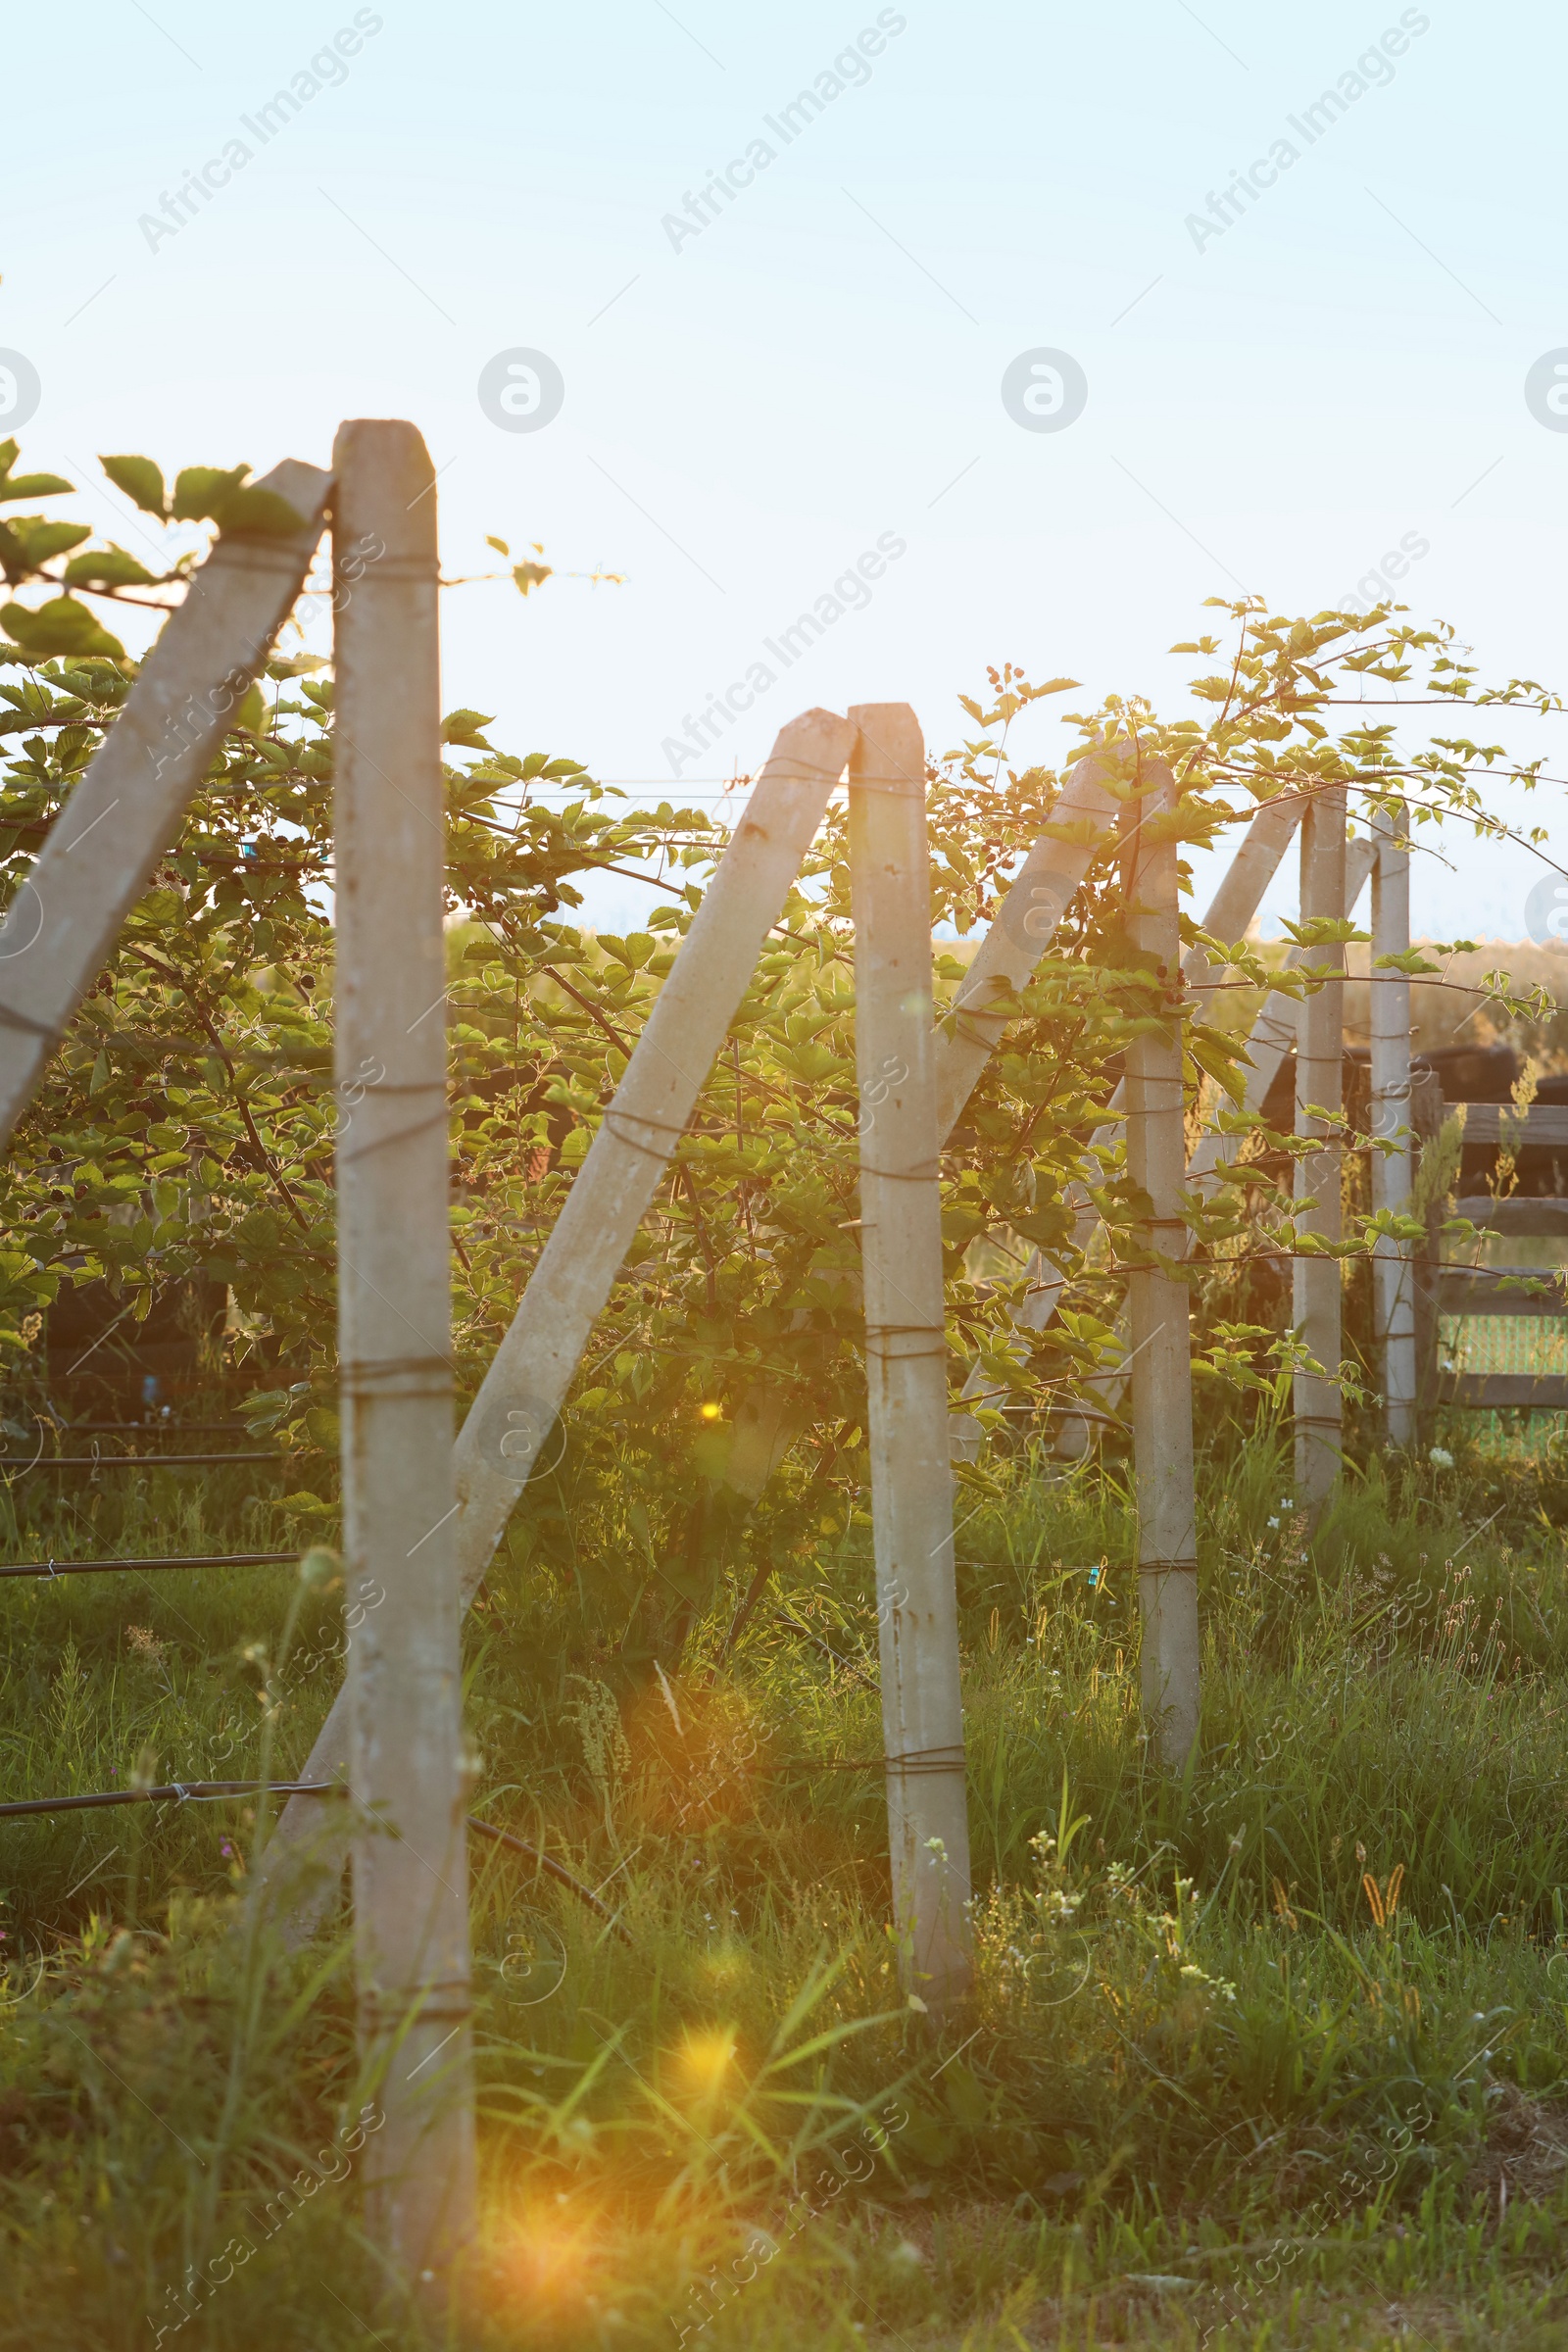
212,1791
232,1559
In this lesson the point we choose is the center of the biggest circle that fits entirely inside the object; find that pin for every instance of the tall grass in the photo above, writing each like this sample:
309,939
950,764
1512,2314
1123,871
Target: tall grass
1305,1996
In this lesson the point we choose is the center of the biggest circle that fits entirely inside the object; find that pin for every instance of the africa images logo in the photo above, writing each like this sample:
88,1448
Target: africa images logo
849,70
1546,911
1372,71
326,71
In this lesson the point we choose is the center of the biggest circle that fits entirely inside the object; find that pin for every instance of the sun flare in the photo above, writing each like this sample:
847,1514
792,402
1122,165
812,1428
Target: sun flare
704,2057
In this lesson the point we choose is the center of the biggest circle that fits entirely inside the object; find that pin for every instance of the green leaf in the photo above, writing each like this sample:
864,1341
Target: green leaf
1325,931
38,539
200,490
34,485
499,545
259,511
1410,959
463,727
968,2101
142,483
1221,1067
810,1064
108,568
60,626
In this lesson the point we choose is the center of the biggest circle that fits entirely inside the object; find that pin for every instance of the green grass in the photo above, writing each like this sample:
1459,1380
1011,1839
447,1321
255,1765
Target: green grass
1200,2095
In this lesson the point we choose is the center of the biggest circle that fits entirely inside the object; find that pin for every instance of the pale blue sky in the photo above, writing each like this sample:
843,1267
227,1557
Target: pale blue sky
745,414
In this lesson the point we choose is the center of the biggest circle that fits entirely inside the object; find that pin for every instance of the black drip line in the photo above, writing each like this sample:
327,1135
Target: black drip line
124,1461
185,1792
147,1428
235,1560
556,1870
169,1793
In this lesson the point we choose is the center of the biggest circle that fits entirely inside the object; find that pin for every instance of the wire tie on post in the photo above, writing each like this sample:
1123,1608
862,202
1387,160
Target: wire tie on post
928,1175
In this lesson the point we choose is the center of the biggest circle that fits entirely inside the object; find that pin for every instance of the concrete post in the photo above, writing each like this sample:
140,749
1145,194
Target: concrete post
410,1889
905,1352
1159,1303
1392,1176
1320,1089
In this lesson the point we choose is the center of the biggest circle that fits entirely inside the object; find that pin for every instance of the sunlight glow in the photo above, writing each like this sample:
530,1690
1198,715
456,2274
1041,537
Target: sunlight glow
704,2056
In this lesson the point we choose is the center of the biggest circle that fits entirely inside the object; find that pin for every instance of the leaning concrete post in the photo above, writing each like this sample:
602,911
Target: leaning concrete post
411,1891
1082,819
1272,1037
905,1351
1318,1405
533,1369
125,812
1241,893
1392,1175
1035,902
1228,912
1157,1305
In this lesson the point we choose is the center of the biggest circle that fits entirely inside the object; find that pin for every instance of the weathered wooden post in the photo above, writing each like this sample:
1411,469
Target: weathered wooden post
1394,1172
1319,1093
410,1887
905,1351
1157,1302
